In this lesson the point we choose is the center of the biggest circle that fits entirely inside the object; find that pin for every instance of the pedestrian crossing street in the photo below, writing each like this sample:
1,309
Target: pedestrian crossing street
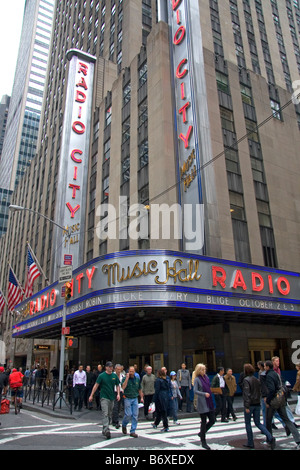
87,435
222,436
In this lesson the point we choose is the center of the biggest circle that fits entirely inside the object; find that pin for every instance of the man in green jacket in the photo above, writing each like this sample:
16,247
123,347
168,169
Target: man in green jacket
131,385
107,381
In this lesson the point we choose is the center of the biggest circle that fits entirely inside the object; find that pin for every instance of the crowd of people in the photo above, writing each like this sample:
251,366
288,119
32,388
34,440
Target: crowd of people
162,396
119,393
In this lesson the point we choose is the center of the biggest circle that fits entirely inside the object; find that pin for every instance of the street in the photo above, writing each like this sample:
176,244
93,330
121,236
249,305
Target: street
32,430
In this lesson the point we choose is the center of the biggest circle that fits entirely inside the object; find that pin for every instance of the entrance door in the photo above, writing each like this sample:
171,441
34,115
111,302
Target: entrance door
264,350
205,356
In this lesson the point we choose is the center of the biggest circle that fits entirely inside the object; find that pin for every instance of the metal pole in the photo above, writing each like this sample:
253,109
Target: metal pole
62,351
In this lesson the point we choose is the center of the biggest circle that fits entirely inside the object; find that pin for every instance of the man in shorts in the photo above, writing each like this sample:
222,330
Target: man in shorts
107,381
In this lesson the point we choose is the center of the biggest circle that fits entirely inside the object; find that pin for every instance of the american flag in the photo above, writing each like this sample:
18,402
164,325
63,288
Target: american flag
15,293
32,274
2,303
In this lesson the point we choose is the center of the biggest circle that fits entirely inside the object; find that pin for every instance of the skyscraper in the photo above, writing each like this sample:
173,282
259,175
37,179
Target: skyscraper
195,126
4,106
23,119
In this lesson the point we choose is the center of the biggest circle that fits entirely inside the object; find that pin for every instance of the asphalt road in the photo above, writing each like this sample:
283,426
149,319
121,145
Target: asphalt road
32,430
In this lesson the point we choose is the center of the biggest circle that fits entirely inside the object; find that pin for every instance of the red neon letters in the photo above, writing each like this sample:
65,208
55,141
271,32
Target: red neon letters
79,128
49,299
258,283
181,73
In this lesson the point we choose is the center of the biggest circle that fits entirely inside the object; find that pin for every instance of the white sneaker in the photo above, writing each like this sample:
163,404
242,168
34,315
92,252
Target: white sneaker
176,423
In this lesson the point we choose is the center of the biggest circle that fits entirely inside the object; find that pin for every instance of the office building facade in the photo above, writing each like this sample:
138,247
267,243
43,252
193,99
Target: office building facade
20,144
188,114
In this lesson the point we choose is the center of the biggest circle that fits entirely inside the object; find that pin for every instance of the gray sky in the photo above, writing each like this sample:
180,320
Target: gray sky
11,18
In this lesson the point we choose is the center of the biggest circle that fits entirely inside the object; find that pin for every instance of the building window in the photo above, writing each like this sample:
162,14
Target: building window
227,121
107,150
126,94
222,82
108,116
275,106
143,74
125,170
126,130
143,153
246,94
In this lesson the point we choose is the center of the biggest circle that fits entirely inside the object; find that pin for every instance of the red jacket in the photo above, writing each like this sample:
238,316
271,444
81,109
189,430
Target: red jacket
15,379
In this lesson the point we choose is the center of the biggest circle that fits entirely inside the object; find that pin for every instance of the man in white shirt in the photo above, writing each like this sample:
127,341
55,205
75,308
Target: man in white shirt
79,384
218,382
118,403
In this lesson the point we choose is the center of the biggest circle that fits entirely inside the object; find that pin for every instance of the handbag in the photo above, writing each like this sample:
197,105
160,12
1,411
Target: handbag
216,390
5,404
279,399
151,408
297,409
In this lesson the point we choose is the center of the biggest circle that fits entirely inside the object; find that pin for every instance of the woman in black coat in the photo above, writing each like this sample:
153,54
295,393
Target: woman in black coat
161,399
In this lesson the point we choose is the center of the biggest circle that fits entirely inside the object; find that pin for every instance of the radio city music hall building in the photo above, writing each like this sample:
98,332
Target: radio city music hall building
182,110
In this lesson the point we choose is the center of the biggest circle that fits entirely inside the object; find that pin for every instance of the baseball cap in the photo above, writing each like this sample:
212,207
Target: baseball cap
172,373
109,364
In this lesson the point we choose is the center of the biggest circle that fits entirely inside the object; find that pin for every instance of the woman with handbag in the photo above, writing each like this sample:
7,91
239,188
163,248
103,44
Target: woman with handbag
275,401
205,404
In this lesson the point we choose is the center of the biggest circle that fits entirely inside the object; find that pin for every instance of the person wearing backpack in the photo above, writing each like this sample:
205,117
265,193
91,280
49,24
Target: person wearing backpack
15,381
252,404
273,384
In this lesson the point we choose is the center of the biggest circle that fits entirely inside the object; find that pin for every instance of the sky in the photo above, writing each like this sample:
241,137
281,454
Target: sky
11,18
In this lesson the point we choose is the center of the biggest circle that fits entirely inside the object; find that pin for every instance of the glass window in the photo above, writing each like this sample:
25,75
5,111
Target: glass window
222,82
275,106
108,116
227,121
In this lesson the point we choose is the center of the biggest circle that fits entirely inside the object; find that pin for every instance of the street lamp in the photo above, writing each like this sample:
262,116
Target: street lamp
15,208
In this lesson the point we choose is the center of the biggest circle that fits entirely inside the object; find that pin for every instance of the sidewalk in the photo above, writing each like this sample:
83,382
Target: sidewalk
64,411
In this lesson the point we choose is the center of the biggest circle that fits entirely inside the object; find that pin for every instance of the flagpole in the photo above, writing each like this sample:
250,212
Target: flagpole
1,292
38,264
6,303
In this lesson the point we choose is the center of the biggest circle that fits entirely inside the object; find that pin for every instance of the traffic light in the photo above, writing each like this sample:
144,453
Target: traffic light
71,343
68,291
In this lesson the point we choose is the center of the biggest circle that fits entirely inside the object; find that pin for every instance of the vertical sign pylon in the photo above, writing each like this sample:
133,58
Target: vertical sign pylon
73,170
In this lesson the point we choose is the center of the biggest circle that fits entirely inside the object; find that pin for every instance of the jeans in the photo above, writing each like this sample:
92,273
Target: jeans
131,410
174,408
185,392
255,412
283,415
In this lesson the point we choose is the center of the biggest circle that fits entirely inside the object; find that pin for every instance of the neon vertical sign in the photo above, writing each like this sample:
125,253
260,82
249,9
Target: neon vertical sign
187,125
73,172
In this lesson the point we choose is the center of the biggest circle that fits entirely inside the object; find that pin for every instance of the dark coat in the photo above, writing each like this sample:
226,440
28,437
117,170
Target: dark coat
251,391
273,384
161,394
